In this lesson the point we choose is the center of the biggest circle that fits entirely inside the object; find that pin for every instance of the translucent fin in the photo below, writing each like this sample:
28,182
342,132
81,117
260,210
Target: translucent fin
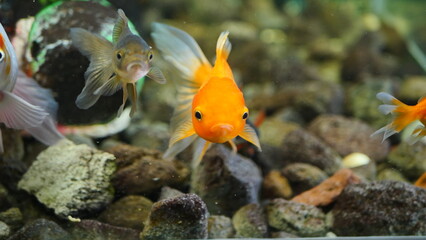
418,133
125,95
131,89
183,131
156,75
47,132
109,87
386,109
223,46
199,150
121,27
386,97
99,51
7,80
387,131
17,113
178,147
250,135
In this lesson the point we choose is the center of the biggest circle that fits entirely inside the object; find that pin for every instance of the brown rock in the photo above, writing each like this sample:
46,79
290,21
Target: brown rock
276,185
328,190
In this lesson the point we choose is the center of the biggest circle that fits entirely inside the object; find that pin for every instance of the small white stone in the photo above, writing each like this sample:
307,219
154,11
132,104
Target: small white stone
354,160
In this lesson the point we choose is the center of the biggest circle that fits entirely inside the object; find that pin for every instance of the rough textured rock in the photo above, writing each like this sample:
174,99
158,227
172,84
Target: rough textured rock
168,192
182,217
409,159
220,227
226,181
275,185
326,192
4,231
41,229
346,135
391,174
300,146
13,218
142,170
71,179
250,222
303,176
129,211
380,208
91,230
296,218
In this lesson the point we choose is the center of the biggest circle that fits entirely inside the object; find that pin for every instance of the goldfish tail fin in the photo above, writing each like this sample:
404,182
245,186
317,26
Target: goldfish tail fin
200,148
47,133
100,70
418,133
223,46
402,115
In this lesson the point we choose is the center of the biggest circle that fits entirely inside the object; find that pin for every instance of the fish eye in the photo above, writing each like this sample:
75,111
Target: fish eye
150,56
118,56
1,55
245,115
198,115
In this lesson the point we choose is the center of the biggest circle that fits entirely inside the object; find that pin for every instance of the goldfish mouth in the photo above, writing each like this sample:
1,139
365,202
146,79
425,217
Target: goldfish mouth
137,70
222,129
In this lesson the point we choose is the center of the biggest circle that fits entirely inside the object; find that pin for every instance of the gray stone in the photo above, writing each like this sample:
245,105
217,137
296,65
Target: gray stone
4,231
409,158
250,222
94,230
168,192
300,146
349,135
226,181
182,217
296,218
303,176
71,179
380,208
220,227
13,218
41,229
129,211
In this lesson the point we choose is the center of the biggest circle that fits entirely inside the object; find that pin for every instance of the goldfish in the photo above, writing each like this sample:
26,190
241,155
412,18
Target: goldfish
210,106
23,103
114,66
403,115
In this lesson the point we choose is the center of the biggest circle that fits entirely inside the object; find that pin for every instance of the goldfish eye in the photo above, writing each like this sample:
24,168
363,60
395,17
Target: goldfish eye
118,56
245,115
1,55
150,56
198,115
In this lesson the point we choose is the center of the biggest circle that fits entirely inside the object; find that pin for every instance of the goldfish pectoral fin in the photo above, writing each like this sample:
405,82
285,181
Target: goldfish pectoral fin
86,99
121,26
17,113
233,146
109,87
131,89
125,95
182,131
200,148
178,147
156,75
250,135
47,133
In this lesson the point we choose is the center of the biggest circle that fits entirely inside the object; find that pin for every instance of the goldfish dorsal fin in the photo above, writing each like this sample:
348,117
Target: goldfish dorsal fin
223,46
121,26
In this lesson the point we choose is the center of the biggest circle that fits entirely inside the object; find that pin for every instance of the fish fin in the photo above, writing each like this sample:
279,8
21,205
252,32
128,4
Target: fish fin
121,26
199,150
223,46
156,75
178,147
183,131
109,87
131,89
125,96
181,50
233,146
403,115
47,133
250,135
17,113
99,51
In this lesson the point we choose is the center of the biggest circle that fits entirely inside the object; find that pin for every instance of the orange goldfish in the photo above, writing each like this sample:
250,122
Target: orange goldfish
114,66
403,116
210,106
23,103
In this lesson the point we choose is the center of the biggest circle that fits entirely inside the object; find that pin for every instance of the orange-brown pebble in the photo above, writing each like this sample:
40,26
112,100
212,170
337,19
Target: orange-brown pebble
421,182
326,192
276,185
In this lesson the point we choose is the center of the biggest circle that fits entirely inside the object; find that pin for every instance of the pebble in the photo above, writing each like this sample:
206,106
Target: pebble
226,181
182,217
168,192
296,218
94,230
303,176
13,218
71,179
130,212
409,159
4,231
391,174
220,227
275,185
41,229
326,192
250,222
385,208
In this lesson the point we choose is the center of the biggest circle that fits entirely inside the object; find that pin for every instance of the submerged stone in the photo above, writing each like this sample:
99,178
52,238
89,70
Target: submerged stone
220,227
71,179
91,229
409,158
182,217
41,229
250,222
385,208
303,176
226,181
4,231
275,185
